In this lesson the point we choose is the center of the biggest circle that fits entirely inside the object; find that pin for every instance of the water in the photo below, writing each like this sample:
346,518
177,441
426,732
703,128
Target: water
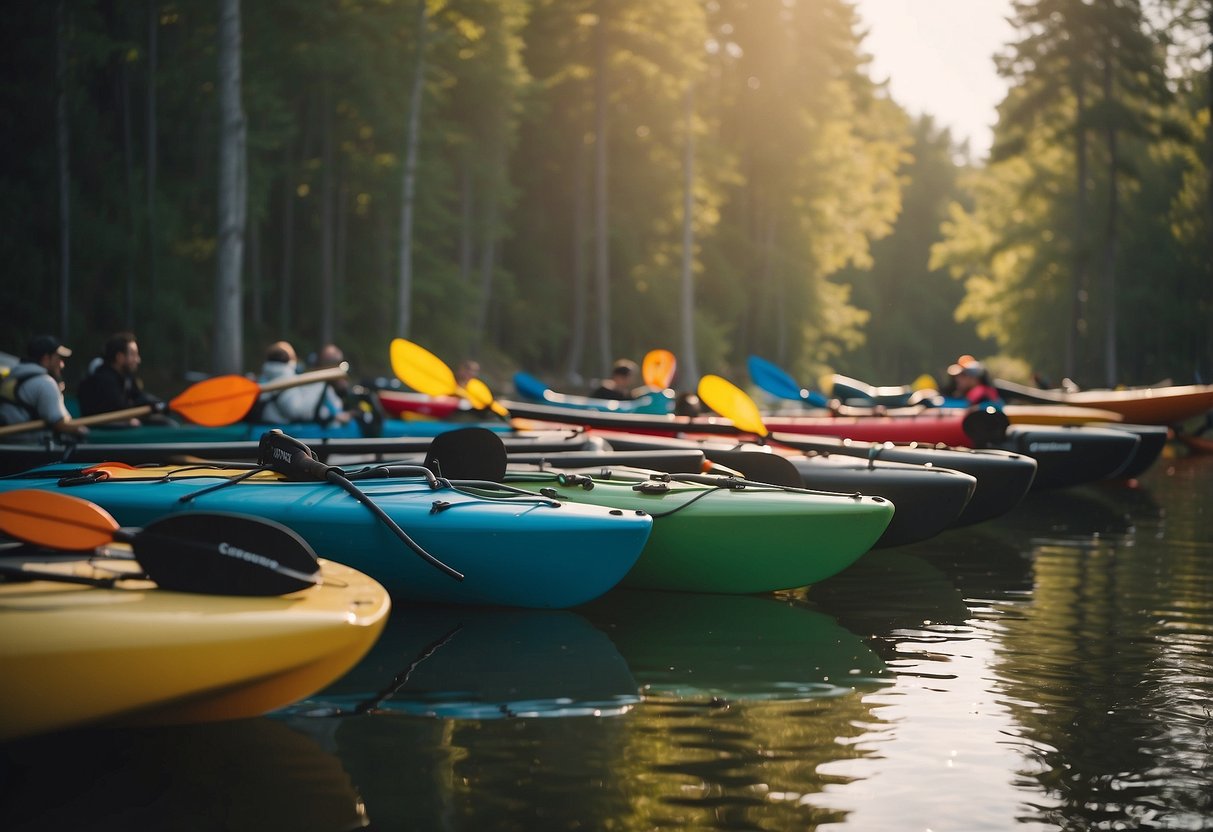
1052,669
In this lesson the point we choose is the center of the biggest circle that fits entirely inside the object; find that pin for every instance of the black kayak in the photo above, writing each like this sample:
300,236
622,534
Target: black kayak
928,499
1068,455
1003,477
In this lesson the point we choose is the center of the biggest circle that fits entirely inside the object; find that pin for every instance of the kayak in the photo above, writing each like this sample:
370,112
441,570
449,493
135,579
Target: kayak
1142,405
533,389
1003,477
560,449
526,551
1092,447
855,393
248,431
75,655
461,662
1068,455
928,499
716,533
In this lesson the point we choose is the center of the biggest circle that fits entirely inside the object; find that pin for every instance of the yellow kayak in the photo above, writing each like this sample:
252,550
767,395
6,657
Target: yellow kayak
73,655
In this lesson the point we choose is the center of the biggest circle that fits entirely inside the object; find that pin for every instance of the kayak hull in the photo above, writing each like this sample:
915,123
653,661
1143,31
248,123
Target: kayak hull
85,655
1167,405
710,536
523,553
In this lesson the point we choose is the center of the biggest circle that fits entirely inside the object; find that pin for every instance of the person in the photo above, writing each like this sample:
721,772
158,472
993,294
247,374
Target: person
114,383
970,381
331,356
315,402
33,390
467,370
619,385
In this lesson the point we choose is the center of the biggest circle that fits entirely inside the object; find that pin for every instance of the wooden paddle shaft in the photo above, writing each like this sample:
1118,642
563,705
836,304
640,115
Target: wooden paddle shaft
329,374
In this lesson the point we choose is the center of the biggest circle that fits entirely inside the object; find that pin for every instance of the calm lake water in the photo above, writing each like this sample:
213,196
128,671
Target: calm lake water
1052,669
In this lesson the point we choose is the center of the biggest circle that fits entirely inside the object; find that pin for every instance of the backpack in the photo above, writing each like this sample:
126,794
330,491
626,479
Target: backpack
10,384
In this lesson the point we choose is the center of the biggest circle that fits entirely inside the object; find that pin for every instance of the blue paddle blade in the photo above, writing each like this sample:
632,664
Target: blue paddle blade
529,387
777,382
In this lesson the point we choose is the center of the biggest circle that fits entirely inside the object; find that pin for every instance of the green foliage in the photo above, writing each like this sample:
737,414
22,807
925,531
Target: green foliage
828,229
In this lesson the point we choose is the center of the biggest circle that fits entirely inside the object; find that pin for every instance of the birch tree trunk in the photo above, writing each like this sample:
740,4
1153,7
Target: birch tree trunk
286,276
580,210
404,283
228,346
602,264
690,372
327,188
153,33
1110,237
61,135
1078,280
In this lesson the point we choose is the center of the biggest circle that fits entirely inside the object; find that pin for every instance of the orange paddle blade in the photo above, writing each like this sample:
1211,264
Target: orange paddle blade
217,401
658,368
57,521
731,402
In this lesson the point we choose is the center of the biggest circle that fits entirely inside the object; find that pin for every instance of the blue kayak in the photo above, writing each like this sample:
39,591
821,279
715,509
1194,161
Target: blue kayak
535,390
520,551
252,431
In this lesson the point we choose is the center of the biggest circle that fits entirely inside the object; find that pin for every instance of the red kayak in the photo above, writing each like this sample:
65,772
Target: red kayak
933,425
405,404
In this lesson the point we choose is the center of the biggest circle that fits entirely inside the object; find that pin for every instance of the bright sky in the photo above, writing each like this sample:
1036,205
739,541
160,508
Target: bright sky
938,58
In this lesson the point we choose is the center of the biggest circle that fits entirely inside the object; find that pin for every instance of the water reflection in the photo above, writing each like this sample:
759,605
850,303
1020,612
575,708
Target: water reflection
255,774
727,647
1108,669
482,663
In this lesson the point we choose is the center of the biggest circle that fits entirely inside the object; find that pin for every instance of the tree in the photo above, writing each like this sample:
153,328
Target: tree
228,345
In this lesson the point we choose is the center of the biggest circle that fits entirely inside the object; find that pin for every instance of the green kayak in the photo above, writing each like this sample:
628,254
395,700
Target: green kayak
723,534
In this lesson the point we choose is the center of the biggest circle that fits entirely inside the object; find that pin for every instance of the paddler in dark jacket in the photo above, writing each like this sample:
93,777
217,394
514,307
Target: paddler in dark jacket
114,382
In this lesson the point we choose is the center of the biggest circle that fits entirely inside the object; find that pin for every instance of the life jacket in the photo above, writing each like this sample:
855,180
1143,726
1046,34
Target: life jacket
10,385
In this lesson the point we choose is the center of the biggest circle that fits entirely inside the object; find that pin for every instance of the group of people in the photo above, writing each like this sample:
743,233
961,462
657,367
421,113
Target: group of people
33,389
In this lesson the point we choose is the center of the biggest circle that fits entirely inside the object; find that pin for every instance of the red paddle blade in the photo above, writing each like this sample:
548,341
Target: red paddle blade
56,521
217,401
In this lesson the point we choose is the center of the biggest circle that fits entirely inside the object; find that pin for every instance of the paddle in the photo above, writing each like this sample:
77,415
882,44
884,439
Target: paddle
733,403
658,369
777,382
213,402
427,373
209,553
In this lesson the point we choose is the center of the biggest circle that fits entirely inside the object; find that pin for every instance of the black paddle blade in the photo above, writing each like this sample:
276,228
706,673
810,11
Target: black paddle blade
760,466
985,426
467,454
225,554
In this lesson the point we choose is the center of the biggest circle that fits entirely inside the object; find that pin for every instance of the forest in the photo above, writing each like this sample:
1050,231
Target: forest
550,184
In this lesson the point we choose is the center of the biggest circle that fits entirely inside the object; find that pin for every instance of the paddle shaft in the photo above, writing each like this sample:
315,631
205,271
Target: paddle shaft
330,374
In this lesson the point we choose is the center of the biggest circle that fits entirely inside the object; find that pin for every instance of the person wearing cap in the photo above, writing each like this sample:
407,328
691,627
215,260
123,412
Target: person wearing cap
33,390
114,383
972,383
619,385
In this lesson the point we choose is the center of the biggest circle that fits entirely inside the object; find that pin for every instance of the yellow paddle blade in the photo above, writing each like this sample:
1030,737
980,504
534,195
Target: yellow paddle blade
57,521
731,402
421,369
658,368
479,394
217,401
926,381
